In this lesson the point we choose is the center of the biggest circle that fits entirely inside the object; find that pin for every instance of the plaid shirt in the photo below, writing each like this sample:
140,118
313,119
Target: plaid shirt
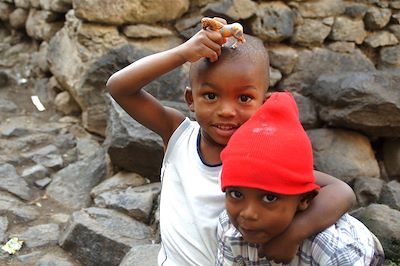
346,243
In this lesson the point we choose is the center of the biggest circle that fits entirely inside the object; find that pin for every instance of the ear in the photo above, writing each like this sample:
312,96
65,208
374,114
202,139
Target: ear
189,98
306,199
266,96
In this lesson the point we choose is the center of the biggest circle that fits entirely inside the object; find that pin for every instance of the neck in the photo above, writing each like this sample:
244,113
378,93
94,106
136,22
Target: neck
210,151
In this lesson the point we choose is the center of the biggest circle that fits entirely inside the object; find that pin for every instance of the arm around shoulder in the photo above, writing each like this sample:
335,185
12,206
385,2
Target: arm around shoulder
334,199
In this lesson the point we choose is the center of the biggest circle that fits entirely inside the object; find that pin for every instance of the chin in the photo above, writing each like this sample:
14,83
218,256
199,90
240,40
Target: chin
256,239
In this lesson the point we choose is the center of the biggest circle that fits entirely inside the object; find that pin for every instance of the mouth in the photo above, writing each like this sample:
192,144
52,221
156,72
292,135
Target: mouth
252,235
225,129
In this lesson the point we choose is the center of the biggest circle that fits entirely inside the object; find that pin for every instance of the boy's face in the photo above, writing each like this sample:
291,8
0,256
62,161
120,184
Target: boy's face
261,215
224,95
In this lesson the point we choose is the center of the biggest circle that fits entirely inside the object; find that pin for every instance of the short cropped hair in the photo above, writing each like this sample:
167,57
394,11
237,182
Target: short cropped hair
253,49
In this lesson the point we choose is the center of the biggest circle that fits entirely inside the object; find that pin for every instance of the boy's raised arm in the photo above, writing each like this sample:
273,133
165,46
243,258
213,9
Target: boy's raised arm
125,86
334,199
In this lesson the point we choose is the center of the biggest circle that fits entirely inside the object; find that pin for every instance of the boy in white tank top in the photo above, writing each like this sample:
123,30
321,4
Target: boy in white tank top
227,86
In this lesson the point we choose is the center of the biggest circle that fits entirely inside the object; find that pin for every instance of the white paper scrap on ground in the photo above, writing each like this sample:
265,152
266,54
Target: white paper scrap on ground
36,101
13,245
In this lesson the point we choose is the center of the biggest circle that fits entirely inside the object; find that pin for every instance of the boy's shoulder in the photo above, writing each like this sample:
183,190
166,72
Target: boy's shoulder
346,241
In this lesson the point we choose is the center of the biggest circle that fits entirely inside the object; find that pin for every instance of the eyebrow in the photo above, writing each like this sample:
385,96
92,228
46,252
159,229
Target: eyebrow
212,85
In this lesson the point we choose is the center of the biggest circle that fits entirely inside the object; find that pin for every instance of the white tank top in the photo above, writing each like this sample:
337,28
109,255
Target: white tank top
191,200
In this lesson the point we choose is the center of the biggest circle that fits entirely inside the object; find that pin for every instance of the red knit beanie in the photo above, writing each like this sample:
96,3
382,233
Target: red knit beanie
270,151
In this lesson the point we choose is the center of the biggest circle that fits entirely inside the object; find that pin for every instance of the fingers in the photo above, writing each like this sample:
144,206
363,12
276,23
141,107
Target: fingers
223,21
211,42
205,43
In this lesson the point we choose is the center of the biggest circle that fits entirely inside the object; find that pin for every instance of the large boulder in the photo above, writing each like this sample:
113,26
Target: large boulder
343,154
365,101
318,61
82,56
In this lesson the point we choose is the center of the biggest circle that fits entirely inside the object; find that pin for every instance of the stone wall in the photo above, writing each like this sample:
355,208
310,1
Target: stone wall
341,59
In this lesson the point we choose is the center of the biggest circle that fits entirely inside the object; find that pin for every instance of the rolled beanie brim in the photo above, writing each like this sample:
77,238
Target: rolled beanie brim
254,173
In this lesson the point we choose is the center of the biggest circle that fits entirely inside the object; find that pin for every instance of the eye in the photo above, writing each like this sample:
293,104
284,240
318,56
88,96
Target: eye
270,197
235,194
210,96
245,98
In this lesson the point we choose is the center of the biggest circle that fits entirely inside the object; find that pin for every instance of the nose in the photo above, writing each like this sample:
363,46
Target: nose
249,212
227,109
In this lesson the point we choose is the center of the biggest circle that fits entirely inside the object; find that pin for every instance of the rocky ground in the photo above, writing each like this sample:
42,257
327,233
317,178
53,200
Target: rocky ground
62,191
57,190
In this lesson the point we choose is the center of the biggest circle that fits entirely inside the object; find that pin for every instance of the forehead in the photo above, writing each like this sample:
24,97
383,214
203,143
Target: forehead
253,67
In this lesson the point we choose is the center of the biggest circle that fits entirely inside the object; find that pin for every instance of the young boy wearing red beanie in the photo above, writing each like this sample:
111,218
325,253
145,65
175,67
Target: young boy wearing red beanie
268,178
227,86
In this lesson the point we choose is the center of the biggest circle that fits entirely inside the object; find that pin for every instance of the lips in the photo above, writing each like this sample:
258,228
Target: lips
252,235
249,232
226,126
225,130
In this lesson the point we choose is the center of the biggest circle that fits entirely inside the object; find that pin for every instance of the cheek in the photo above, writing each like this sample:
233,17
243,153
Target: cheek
276,221
233,211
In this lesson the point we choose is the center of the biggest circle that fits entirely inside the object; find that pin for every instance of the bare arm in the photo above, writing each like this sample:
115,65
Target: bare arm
125,86
334,199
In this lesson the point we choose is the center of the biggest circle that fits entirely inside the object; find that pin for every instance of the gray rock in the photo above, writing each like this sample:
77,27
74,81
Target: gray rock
307,110
40,235
356,10
5,11
310,32
66,104
377,18
274,76
3,228
29,258
47,156
367,190
274,22
364,101
322,8
347,29
16,210
383,222
120,181
131,146
22,3
98,236
55,260
283,58
60,6
137,202
42,25
128,11
86,147
391,157
10,181
312,64
146,31
231,10
18,18
42,183
71,185
395,29
34,173
390,195
390,56
7,106
343,154
145,255
342,47
381,38
4,79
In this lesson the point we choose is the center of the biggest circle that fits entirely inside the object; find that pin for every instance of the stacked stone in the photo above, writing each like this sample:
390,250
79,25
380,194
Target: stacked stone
341,60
